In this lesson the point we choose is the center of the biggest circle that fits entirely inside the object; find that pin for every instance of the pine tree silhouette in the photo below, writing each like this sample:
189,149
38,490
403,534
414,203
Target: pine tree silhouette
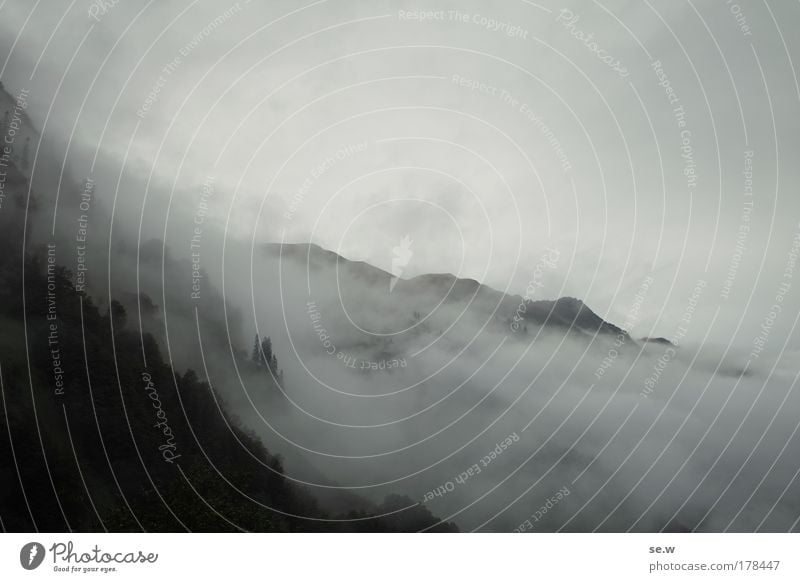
266,353
255,356
263,356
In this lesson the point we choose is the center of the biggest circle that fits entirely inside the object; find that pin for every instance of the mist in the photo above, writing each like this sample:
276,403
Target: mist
404,200
662,437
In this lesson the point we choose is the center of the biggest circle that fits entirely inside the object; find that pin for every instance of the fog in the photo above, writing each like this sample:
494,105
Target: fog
382,192
683,451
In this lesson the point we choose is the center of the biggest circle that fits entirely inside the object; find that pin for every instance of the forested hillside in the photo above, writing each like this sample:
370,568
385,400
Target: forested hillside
98,432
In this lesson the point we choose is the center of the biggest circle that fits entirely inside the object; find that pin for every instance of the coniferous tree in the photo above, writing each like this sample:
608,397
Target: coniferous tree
266,353
255,357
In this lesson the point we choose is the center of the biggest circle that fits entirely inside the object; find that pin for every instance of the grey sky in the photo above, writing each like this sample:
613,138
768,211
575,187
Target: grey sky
259,95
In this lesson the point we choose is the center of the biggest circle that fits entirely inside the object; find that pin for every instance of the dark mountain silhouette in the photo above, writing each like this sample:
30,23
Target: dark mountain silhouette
569,313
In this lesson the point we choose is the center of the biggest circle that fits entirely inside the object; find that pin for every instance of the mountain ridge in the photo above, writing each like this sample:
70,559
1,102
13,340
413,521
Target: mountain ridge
564,312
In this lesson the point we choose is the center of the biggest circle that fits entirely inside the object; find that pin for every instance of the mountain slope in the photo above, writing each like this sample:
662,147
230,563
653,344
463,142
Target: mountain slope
98,431
425,293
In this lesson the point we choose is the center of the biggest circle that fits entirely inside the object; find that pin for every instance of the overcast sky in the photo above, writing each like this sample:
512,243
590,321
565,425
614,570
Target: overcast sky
617,133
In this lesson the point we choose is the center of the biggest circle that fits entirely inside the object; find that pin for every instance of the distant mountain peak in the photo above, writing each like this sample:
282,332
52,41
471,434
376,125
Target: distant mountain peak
571,313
